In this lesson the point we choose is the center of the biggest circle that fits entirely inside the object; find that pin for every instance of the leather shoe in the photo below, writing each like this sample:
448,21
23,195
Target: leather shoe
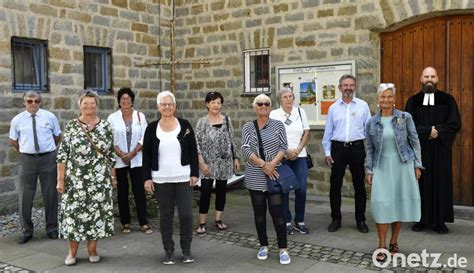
334,226
24,239
417,227
52,235
441,229
362,227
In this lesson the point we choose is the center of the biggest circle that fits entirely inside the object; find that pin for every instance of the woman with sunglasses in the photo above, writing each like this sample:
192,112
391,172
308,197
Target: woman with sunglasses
393,164
258,166
217,158
86,176
129,126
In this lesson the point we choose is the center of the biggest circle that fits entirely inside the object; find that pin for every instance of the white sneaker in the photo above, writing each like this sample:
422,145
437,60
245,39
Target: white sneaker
284,257
262,253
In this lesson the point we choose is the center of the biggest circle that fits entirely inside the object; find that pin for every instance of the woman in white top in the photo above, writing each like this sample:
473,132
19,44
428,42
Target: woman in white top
170,165
128,126
297,132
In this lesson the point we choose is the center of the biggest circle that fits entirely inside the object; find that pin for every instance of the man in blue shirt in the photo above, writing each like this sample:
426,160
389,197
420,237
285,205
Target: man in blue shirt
35,134
343,144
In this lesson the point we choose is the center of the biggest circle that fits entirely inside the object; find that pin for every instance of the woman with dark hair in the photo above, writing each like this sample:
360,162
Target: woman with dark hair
217,158
128,126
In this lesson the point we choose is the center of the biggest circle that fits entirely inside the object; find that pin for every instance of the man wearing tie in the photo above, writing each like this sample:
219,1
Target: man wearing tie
35,134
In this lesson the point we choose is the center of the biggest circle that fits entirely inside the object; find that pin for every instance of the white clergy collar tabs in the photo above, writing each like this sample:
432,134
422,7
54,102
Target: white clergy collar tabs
428,99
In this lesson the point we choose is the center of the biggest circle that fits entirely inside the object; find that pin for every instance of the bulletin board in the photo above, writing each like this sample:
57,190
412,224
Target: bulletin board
315,86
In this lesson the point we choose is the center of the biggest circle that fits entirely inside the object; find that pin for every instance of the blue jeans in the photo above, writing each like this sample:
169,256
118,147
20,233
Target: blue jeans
300,167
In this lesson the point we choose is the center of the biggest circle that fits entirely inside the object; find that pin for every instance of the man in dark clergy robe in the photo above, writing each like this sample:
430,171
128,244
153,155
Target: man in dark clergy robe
437,121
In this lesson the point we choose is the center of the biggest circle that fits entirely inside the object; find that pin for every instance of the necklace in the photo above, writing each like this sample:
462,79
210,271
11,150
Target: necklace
288,120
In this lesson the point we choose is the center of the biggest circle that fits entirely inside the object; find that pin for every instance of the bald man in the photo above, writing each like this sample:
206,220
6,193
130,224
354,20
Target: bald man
437,121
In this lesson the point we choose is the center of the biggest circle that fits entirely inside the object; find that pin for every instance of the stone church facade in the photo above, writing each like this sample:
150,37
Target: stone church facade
218,31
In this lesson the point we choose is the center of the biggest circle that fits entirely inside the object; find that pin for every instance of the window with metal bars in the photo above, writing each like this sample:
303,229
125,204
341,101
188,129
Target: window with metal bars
256,71
98,69
30,68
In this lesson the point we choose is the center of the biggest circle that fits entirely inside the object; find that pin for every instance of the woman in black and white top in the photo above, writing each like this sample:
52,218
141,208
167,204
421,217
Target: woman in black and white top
258,167
128,126
170,165
217,158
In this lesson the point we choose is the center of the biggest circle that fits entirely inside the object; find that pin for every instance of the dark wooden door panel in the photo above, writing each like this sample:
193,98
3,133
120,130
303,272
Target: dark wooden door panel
447,44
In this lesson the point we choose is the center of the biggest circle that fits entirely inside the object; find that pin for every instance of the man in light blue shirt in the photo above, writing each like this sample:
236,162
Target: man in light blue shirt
35,134
343,144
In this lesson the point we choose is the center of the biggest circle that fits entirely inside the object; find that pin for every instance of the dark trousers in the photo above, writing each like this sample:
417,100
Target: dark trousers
181,194
206,191
300,167
136,177
353,156
275,207
32,167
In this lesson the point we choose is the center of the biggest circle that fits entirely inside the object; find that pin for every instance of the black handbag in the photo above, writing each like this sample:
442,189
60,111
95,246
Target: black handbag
286,181
309,159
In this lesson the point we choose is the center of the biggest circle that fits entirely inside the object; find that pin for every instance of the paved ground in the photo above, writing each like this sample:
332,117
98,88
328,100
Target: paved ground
234,250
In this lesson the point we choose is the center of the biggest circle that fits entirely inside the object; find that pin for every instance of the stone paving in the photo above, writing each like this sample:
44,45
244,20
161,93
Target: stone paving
344,251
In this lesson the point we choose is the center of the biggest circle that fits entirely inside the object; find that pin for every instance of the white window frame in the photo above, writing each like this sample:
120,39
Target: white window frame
248,88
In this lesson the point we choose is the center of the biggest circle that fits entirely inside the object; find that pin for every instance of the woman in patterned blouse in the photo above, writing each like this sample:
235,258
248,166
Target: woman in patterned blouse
217,158
85,178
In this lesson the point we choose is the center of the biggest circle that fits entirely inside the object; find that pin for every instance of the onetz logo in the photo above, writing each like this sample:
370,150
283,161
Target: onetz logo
417,259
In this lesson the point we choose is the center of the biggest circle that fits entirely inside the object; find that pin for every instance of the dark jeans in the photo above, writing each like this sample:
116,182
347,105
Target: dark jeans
136,177
300,167
31,168
353,156
206,191
275,206
181,194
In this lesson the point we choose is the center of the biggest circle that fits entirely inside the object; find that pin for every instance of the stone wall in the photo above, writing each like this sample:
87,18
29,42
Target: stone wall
131,28
297,32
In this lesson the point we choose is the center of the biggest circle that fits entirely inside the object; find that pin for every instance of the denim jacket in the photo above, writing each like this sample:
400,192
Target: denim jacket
406,139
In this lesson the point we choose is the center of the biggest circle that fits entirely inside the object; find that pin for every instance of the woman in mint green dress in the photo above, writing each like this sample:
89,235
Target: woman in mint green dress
393,165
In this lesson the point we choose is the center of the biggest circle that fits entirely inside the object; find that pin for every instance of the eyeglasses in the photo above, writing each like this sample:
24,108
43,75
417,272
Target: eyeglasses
165,105
33,101
267,104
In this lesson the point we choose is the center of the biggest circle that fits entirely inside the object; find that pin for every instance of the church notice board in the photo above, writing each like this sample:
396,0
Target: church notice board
314,86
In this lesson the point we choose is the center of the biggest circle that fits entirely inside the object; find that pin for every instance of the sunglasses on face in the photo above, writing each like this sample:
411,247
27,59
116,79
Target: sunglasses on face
267,104
33,101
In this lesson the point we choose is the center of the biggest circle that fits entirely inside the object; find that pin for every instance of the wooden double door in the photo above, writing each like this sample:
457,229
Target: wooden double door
447,44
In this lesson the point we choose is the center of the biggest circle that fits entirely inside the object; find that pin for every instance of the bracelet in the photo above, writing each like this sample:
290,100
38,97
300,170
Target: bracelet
113,177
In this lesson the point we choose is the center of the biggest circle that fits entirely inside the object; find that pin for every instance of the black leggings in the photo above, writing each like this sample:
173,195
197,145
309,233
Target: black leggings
206,191
136,176
275,206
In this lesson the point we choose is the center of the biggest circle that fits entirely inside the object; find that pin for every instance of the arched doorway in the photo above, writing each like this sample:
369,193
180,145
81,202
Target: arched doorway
446,43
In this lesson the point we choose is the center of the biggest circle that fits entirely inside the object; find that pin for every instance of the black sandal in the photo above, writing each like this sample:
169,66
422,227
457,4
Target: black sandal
381,256
220,225
393,248
201,229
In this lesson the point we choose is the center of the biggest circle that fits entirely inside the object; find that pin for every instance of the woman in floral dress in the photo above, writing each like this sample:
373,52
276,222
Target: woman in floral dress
85,178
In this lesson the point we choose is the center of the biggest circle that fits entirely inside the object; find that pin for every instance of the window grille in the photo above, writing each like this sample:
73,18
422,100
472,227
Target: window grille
30,70
98,69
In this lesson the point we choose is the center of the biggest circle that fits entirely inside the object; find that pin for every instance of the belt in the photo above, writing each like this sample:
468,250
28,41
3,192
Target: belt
347,144
37,154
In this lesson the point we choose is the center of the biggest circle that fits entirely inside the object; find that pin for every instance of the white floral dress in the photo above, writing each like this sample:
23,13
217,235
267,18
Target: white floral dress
86,209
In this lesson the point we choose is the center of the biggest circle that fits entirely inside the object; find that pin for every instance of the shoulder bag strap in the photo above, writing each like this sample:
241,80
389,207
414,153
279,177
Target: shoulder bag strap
89,138
230,136
260,143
